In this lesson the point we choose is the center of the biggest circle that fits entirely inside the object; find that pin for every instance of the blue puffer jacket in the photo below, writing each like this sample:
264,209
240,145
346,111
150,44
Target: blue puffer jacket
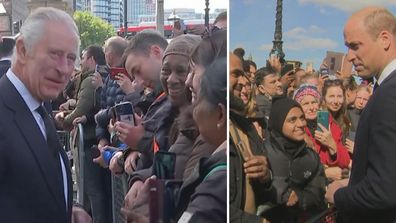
107,96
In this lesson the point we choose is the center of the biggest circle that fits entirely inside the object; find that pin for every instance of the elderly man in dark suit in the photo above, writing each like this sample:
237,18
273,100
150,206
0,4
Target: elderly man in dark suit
35,179
370,35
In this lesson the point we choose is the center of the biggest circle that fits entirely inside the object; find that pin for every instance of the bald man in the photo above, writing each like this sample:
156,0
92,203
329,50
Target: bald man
370,35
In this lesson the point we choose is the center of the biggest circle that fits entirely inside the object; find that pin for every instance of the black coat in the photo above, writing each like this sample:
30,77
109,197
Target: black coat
4,66
370,195
29,191
300,171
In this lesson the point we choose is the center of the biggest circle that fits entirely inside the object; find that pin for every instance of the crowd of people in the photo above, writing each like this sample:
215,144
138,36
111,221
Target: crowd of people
173,91
297,141
302,145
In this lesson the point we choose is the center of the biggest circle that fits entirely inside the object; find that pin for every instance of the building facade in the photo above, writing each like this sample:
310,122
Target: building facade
16,13
141,11
109,10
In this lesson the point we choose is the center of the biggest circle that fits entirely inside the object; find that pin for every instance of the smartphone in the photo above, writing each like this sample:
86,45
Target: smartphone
156,200
114,71
323,119
124,112
164,165
103,70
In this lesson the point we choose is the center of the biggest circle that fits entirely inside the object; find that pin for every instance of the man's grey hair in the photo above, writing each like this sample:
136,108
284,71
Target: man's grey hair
33,28
116,44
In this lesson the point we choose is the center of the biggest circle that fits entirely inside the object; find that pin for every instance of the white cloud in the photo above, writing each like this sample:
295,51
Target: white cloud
348,5
300,32
323,11
249,2
300,38
310,43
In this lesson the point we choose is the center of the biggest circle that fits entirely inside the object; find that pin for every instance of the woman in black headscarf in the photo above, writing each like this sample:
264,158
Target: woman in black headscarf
298,181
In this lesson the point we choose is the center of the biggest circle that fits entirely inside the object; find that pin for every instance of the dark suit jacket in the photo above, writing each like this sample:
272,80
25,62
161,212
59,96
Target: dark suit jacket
4,66
30,188
371,194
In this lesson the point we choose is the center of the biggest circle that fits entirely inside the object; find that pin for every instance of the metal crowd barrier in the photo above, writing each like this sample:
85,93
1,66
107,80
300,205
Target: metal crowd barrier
79,157
119,188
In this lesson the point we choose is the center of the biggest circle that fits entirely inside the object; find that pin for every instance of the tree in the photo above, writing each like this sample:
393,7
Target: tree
93,29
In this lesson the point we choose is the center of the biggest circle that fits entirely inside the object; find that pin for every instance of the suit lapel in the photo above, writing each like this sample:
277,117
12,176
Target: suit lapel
31,133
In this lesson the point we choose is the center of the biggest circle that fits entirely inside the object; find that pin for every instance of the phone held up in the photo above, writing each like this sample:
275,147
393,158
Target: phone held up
323,119
114,71
124,112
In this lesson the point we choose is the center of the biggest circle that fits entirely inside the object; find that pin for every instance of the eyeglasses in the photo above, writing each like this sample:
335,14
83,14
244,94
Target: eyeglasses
333,82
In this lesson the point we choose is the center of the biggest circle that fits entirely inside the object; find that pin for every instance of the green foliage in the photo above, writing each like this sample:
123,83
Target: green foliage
93,29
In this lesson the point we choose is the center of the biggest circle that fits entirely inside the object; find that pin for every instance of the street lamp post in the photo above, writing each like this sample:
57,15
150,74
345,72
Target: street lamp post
207,13
277,47
125,18
160,17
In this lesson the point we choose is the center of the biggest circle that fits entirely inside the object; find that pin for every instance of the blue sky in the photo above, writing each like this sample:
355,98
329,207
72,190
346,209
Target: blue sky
310,27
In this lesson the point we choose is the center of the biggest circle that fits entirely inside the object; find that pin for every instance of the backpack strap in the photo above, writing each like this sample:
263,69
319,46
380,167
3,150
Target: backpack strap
215,168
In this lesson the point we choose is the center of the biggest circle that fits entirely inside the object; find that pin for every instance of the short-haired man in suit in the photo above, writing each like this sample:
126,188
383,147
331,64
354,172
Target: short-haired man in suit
370,35
6,49
35,178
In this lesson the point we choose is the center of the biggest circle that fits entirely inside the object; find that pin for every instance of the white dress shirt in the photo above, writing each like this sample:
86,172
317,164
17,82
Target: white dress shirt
387,71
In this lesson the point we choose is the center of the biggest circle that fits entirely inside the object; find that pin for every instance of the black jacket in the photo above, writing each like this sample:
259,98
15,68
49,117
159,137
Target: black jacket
204,193
4,66
370,195
107,96
300,171
29,189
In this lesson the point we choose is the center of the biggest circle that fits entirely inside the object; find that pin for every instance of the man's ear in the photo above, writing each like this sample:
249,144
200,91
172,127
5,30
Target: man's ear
156,51
261,89
21,50
385,39
222,117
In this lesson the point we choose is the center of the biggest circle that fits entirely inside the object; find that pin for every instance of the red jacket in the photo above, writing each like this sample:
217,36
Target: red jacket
343,158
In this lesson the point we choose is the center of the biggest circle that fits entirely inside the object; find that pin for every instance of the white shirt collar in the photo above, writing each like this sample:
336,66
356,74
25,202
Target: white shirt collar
387,71
5,58
30,101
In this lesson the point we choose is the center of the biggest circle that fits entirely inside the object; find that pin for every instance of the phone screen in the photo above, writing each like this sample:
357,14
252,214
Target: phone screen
124,112
323,119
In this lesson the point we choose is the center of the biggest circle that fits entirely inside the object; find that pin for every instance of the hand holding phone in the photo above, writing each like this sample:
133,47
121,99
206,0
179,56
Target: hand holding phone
124,113
114,71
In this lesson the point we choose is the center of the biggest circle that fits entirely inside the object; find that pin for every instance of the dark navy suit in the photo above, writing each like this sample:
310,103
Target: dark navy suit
371,194
30,188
